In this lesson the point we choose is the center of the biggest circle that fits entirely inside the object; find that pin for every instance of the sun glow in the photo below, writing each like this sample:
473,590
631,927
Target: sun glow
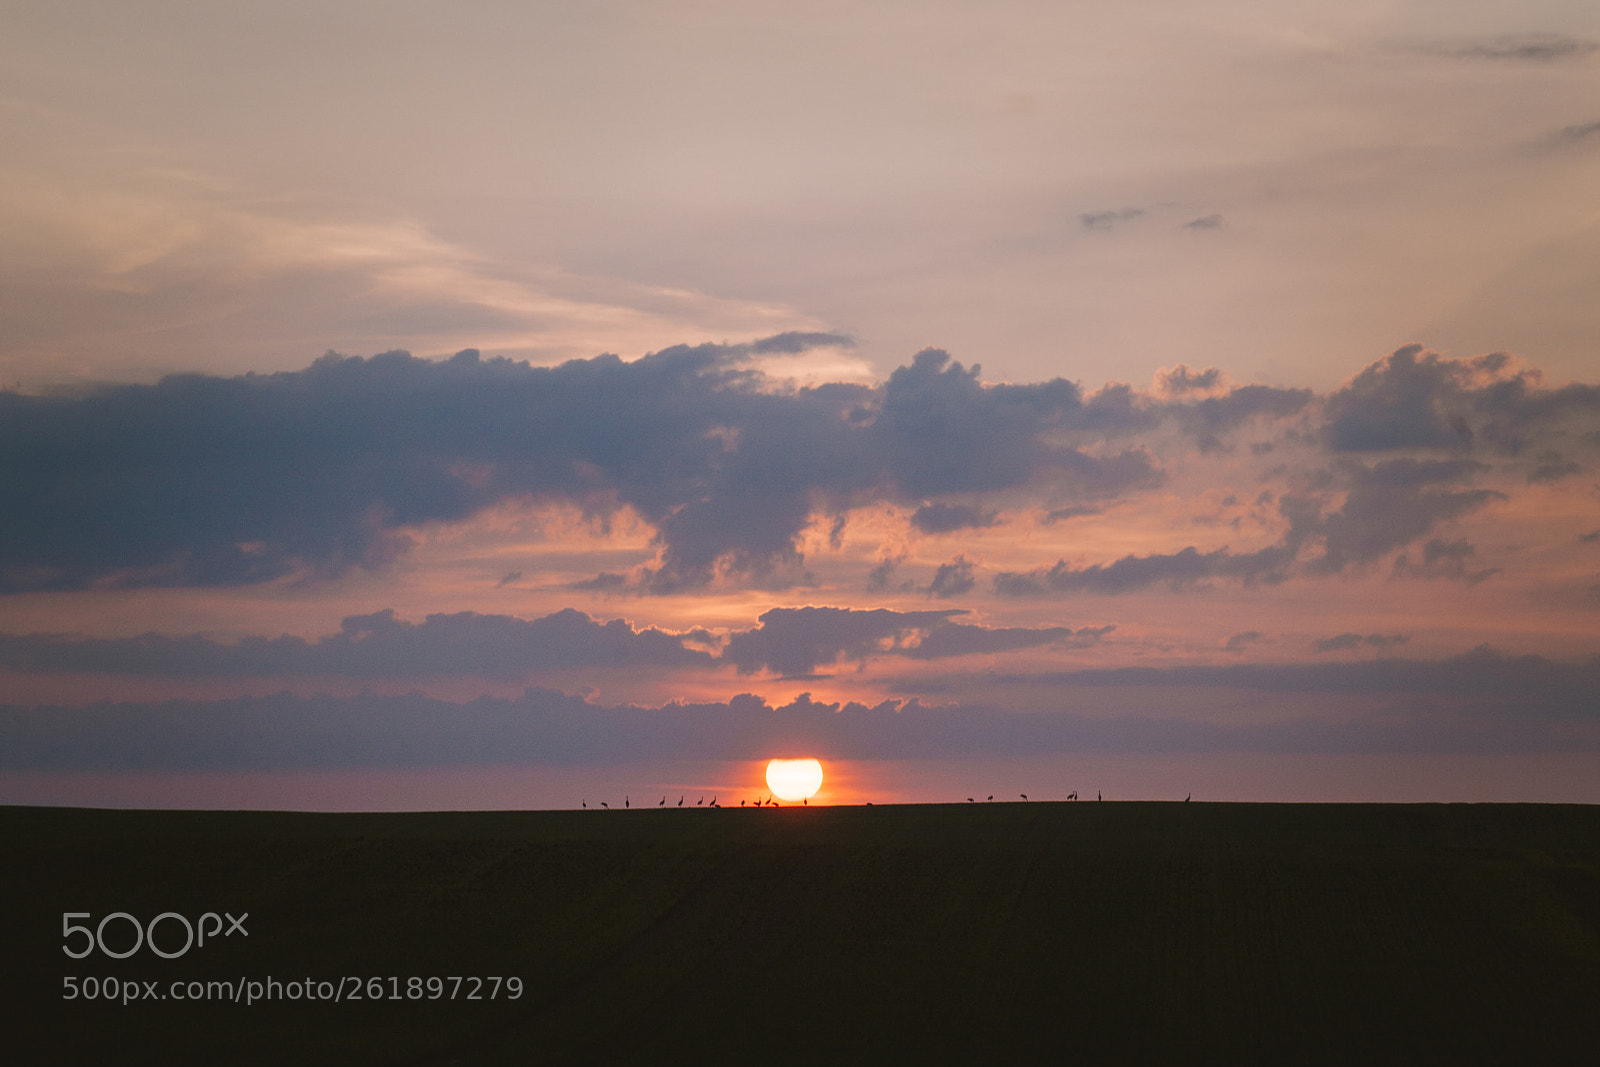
794,779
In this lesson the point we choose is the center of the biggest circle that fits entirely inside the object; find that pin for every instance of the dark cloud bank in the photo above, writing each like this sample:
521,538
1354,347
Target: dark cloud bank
788,641
200,480
1481,702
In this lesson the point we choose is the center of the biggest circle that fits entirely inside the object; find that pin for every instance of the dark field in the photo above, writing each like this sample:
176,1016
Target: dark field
1124,932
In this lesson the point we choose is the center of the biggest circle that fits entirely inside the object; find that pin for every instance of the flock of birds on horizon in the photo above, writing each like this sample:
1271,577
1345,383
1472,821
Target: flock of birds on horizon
769,802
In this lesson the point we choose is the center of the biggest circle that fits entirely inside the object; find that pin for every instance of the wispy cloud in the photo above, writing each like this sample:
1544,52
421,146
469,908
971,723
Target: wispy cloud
1527,48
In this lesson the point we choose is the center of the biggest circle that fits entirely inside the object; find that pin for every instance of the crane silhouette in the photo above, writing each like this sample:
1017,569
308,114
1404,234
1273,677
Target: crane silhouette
663,803
1024,796
603,804
625,800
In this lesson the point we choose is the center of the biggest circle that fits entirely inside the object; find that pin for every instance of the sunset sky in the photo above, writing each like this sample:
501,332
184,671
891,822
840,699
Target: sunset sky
418,405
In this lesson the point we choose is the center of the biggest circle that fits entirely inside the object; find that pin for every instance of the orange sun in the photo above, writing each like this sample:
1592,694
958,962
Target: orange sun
794,779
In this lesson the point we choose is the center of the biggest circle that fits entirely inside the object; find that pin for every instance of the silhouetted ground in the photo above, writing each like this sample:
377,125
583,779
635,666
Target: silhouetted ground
1124,932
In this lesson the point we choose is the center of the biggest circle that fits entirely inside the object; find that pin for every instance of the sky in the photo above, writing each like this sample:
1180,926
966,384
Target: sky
415,405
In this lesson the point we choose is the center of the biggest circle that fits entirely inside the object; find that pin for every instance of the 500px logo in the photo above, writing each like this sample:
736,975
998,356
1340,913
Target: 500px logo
146,934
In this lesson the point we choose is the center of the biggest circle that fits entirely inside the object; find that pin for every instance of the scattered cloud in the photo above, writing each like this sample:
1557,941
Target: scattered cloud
794,642
878,577
1580,132
1240,641
1178,570
1181,381
1074,511
1527,48
947,518
1105,220
1443,559
1205,222
1346,641
952,579
1552,467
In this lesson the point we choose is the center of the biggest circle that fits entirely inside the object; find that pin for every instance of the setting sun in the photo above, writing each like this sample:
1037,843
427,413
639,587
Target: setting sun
794,779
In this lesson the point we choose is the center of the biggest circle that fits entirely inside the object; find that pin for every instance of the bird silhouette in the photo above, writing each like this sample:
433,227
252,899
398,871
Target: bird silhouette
680,802
713,802
1072,795
663,803
1024,796
625,802
991,796
969,800
1097,795
699,802
1186,797
741,803
585,803
603,804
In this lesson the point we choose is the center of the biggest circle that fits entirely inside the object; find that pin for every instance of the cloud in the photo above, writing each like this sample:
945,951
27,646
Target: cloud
1483,701
878,577
1073,511
1205,222
1552,467
1105,220
1580,132
1180,380
1387,505
1420,400
952,579
1377,518
1397,403
1209,418
378,645
947,518
794,342
223,481
1239,641
1346,641
794,642
199,480
1589,538
1443,559
1528,48
1517,684
1177,570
